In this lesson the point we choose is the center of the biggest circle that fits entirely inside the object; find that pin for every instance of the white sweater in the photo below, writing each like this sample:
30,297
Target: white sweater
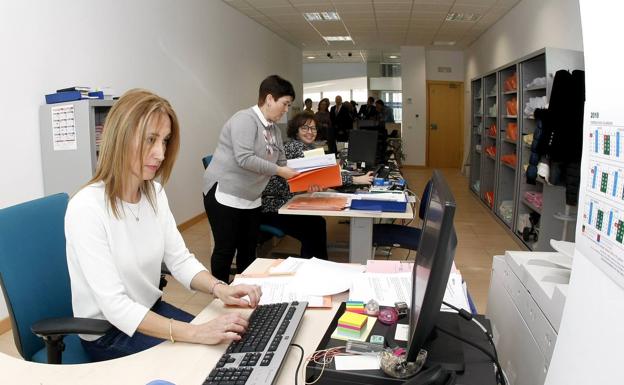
114,264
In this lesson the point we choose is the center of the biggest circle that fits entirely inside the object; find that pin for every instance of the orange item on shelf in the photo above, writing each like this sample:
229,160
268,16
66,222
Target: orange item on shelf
491,151
510,159
511,83
512,106
512,131
489,198
492,129
323,177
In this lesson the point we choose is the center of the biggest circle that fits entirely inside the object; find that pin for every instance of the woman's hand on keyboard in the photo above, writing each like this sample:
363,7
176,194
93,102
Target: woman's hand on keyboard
233,295
364,179
225,328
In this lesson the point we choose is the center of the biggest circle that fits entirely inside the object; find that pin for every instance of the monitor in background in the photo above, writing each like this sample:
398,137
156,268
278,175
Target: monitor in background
432,266
363,148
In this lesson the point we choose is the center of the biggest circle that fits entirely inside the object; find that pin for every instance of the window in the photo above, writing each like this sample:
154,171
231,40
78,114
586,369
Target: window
315,96
394,100
331,95
390,70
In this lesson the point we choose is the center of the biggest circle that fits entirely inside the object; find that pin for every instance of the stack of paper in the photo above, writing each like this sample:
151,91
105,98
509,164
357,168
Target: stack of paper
319,203
282,289
351,324
311,163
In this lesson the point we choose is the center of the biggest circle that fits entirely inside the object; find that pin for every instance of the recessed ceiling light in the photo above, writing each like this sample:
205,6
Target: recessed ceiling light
310,57
337,38
443,43
393,57
330,16
457,16
312,16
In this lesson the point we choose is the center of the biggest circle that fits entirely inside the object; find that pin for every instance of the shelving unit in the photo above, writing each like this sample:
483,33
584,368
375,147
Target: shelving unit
476,137
87,117
507,182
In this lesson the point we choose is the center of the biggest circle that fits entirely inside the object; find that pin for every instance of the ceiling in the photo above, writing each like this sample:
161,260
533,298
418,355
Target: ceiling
378,28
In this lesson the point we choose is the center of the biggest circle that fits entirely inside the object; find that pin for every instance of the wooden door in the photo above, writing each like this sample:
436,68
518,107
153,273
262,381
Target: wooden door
445,108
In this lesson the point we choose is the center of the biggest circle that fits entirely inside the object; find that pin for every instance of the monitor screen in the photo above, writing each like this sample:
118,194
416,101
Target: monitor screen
363,147
433,263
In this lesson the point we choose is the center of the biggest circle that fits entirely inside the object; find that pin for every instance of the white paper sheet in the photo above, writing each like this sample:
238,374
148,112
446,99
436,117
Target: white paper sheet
279,289
356,362
402,332
289,265
304,164
319,277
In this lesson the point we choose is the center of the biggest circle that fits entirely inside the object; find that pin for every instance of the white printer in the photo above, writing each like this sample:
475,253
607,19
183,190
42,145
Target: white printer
525,304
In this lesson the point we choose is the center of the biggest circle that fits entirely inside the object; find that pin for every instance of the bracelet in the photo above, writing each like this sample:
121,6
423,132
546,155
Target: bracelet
171,330
218,282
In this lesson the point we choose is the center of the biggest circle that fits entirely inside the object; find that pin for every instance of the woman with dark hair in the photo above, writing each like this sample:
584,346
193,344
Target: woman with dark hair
325,129
309,230
249,152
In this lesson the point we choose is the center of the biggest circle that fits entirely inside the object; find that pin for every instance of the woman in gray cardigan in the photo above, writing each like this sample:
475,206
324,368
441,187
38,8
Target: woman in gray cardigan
249,152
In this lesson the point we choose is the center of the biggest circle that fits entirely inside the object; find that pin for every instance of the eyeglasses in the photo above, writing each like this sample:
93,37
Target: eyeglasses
305,127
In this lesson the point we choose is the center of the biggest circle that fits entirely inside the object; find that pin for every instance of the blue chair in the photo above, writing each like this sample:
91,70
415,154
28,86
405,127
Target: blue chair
401,236
35,282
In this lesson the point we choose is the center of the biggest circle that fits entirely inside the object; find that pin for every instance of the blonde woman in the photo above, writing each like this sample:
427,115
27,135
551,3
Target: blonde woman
119,230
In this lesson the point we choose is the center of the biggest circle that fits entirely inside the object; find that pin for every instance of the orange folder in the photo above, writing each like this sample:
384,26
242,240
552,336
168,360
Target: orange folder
323,177
318,203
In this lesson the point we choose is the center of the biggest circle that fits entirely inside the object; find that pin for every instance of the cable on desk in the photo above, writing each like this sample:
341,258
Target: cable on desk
300,361
323,358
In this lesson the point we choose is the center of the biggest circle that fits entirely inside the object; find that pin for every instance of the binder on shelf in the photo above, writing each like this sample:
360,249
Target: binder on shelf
324,177
75,88
65,96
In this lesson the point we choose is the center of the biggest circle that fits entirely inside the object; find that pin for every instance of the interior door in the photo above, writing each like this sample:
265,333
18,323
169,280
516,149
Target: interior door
444,124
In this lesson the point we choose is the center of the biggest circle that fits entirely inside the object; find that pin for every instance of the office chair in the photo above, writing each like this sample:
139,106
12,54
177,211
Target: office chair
35,283
401,236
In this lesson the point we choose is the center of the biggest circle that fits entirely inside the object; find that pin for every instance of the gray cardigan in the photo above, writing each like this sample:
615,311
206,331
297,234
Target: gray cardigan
241,163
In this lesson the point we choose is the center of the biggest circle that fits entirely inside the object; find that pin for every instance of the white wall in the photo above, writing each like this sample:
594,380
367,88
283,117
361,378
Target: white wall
528,27
205,57
414,82
316,72
445,58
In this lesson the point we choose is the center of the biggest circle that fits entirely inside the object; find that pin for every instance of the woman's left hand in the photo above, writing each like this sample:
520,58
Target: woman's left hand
233,295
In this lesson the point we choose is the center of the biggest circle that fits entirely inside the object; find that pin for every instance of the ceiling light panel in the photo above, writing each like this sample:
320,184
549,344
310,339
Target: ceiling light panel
458,16
330,16
337,38
313,16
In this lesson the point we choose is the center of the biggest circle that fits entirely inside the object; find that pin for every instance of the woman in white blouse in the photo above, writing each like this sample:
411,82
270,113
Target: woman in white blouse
119,230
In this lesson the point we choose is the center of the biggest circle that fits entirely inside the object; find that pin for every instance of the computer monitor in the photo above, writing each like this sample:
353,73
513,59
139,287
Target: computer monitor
433,264
363,147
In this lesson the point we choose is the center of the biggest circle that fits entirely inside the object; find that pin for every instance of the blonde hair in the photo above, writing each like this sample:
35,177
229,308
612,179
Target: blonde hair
127,120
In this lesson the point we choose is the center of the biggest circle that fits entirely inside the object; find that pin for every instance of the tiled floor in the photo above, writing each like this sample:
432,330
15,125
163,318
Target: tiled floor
479,235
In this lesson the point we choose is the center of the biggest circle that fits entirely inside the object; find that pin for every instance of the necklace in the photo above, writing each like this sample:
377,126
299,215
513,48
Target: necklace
136,216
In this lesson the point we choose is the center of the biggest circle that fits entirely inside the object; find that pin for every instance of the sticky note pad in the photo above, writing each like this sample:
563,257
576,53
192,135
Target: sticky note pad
353,319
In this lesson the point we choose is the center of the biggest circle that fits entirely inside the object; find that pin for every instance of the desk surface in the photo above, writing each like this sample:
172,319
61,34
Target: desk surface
408,214
180,363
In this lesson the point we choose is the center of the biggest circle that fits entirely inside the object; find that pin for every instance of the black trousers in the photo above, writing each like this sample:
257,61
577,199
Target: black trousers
234,231
309,230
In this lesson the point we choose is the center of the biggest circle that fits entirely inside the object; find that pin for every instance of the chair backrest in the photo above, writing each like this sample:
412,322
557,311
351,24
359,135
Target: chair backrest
33,267
422,208
206,160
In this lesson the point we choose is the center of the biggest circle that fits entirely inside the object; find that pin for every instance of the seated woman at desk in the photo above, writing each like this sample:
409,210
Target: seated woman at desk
307,229
119,229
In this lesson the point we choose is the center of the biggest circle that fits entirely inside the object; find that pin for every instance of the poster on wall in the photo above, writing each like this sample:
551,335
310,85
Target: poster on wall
600,225
63,128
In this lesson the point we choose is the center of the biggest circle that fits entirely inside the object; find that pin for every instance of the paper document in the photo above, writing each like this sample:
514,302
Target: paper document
387,266
320,277
305,164
387,289
288,265
357,362
312,153
282,289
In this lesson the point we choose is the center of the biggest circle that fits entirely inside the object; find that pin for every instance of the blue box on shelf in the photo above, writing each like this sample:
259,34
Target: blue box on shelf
65,96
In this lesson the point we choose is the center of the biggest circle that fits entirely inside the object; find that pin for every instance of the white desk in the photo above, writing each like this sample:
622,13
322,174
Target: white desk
180,363
361,230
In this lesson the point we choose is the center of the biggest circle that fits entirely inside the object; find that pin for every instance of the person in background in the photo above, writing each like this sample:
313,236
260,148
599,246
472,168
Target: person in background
119,230
309,230
250,150
384,114
341,120
353,110
325,128
368,110
308,106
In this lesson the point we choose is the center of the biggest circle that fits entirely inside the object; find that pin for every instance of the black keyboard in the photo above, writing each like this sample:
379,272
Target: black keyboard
257,357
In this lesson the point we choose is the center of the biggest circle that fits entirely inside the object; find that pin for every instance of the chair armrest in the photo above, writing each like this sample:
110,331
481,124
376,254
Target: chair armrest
70,325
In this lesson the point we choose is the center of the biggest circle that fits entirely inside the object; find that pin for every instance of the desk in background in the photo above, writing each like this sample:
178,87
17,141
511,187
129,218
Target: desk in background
361,229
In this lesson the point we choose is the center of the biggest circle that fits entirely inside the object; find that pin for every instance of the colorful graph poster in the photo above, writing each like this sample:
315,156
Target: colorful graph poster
600,228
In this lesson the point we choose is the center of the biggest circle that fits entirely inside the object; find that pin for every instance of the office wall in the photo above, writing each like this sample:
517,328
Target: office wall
414,83
317,72
205,57
528,27
448,59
